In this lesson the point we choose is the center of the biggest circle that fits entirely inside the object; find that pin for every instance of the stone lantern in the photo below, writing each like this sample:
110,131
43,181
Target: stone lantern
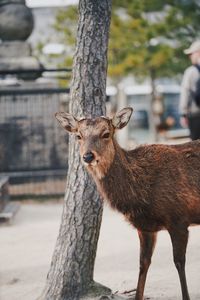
16,25
16,20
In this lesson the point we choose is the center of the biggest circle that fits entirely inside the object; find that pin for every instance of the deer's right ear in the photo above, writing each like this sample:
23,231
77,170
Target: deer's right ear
67,121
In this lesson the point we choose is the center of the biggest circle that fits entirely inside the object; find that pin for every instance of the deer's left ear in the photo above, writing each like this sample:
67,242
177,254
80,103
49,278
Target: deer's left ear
68,121
122,118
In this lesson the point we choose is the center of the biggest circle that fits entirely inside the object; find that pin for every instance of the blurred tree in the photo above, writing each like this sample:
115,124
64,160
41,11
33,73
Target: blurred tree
147,37
147,40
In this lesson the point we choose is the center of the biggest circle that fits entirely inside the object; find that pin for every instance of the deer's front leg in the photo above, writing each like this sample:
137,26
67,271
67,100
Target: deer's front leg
147,244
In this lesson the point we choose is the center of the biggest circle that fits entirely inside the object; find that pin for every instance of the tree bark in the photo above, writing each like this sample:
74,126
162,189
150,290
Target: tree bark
153,117
71,272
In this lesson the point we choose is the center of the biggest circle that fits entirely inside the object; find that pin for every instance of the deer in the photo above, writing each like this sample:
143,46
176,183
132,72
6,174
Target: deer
155,186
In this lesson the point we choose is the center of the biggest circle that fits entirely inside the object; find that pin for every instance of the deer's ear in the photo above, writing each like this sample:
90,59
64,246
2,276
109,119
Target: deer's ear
122,118
67,121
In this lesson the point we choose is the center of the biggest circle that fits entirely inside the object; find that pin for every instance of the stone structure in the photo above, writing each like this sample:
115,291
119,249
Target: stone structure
16,25
16,20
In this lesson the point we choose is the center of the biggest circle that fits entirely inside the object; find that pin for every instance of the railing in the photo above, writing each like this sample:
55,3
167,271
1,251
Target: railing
33,149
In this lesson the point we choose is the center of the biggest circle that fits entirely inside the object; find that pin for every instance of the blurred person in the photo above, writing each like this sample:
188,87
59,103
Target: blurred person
189,110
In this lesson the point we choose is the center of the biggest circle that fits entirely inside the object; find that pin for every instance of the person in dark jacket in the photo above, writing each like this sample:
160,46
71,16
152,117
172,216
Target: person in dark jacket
190,112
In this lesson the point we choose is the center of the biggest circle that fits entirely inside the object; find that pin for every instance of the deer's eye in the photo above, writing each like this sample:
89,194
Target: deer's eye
106,135
78,136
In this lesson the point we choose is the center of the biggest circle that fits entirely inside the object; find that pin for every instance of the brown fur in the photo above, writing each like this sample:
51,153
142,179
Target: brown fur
155,186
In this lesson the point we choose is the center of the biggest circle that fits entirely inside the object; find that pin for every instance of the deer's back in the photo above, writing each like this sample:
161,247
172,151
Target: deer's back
175,162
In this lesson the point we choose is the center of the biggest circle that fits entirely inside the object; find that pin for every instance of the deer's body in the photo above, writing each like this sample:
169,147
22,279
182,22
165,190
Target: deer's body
154,186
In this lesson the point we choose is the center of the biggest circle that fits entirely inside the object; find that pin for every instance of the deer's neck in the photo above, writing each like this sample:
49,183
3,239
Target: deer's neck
118,185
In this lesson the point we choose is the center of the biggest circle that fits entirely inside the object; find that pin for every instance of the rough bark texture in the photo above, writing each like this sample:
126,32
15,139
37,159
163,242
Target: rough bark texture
71,272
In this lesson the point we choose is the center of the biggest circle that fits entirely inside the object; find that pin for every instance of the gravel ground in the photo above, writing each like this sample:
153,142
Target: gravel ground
27,245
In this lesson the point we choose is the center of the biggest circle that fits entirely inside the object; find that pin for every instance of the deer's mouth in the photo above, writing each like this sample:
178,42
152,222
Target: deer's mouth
94,163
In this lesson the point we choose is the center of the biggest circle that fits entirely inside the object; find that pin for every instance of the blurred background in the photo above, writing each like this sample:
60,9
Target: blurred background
145,69
37,42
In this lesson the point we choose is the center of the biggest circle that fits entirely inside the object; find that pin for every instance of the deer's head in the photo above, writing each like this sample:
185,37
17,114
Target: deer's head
95,137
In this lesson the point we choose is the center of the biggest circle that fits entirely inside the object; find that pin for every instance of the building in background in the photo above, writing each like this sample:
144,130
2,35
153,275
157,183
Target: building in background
45,40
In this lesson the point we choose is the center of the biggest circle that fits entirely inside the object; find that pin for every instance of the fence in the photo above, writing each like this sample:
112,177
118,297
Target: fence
33,149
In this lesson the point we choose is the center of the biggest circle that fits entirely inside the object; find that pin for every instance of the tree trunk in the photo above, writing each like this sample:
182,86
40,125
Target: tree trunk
71,272
153,118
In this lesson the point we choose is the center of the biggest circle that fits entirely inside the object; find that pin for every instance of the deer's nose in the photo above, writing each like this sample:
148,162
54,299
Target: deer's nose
88,157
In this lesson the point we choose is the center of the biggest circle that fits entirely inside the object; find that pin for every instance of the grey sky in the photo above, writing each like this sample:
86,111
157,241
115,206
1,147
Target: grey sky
50,3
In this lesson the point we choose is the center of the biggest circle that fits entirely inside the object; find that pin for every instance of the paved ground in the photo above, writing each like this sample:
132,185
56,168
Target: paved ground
27,244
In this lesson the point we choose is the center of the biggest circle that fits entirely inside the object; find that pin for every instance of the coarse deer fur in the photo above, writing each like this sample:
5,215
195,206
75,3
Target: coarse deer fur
155,186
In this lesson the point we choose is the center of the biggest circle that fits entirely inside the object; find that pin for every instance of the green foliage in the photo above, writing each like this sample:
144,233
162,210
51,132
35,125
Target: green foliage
147,37
66,22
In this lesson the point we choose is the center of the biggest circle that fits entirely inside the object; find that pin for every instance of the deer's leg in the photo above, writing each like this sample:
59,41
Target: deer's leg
147,244
179,239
